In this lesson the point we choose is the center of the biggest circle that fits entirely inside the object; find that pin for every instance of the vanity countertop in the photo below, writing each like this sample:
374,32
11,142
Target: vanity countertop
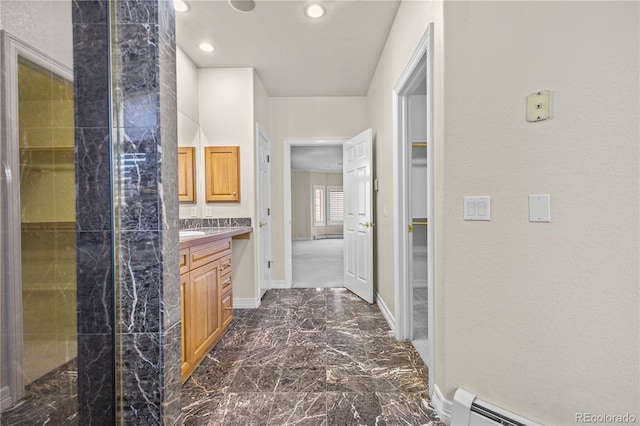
207,235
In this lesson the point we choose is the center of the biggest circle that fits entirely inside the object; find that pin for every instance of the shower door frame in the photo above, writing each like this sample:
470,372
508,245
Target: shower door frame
11,49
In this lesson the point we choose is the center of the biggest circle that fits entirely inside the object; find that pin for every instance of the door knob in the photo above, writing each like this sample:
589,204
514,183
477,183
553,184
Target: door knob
263,224
367,224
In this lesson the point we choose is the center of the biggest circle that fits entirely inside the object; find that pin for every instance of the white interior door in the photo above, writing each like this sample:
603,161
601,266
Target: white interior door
358,216
264,209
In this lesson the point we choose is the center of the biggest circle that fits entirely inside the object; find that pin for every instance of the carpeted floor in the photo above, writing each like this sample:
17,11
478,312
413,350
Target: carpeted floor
318,263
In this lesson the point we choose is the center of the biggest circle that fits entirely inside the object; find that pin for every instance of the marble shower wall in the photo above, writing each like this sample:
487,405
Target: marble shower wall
129,356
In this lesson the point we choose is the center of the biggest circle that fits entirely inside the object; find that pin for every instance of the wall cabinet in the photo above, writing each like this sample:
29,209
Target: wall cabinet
222,173
207,299
186,174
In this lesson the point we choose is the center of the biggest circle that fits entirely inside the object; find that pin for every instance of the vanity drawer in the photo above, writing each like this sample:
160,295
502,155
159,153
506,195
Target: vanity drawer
227,308
205,253
225,283
225,264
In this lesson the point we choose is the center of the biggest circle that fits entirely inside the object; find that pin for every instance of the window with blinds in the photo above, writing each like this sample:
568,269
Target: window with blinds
318,205
335,205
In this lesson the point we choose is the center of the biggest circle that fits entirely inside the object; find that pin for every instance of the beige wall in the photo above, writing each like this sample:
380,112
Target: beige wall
541,318
305,118
45,25
226,104
227,119
300,205
408,28
302,182
261,103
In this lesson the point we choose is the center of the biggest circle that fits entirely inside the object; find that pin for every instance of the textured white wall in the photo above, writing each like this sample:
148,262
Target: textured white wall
189,126
45,25
314,117
542,318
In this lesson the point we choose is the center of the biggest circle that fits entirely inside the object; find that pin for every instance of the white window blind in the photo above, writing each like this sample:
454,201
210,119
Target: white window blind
335,209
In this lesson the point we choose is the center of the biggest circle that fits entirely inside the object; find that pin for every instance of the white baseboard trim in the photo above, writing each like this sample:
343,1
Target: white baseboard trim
443,407
302,239
277,284
385,312
245,303
5,398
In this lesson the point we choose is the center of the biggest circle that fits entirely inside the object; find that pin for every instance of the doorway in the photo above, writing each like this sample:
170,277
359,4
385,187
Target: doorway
38,246
414,206
317,212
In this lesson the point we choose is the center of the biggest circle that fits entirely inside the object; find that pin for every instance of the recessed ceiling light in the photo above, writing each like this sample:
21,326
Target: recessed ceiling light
314,10
180,5
206,47
243,5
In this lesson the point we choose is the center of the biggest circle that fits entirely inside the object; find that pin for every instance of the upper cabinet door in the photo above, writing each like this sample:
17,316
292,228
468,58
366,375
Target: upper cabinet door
222,173
186,174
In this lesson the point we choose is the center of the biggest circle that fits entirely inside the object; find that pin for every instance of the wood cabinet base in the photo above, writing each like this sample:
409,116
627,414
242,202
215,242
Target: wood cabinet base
207,301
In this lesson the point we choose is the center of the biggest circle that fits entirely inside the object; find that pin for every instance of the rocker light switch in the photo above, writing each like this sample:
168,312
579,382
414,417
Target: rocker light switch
477,208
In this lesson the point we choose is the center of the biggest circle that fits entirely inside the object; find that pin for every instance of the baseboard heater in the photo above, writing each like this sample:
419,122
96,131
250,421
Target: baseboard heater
471,411
327,236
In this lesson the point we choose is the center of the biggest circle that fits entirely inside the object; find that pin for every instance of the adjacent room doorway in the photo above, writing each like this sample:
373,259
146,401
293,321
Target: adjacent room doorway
334,245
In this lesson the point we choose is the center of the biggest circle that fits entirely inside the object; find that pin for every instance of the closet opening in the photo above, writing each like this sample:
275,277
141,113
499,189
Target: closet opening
413,202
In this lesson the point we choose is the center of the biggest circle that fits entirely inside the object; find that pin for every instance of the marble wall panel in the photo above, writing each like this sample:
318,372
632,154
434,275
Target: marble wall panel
126,144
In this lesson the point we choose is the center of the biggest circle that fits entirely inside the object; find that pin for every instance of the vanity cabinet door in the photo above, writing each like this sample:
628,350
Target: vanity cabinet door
186,174
186,321
207,303
205,323
222,173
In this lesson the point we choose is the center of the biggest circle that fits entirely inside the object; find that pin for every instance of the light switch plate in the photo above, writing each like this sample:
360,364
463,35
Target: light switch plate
477,208
540,208
539,105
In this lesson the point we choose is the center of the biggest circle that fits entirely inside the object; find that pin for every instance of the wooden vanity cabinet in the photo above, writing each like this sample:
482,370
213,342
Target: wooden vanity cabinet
207,306
222,173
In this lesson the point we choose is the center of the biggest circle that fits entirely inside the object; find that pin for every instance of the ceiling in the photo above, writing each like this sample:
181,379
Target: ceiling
327,159
335,55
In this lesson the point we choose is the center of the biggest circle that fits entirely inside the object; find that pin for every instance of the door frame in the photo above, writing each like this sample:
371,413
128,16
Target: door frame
423,54
262,257
287,143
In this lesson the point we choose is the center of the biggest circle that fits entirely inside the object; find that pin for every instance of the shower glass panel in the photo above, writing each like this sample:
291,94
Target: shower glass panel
47,219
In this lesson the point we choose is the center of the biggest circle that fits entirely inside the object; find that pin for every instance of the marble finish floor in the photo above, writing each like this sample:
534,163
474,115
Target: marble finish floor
50,400
309,357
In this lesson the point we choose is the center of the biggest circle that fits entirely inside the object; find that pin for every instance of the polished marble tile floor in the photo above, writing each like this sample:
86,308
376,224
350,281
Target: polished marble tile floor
309,357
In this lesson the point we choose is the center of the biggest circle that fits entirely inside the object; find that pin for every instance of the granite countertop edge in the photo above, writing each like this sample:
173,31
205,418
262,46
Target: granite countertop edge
213,234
